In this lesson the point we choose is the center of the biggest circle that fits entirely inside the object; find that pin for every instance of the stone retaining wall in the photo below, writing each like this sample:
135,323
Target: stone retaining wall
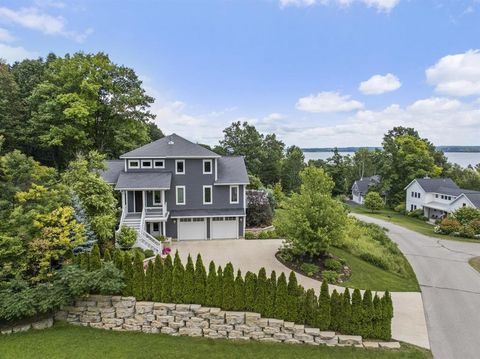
37,324
126,314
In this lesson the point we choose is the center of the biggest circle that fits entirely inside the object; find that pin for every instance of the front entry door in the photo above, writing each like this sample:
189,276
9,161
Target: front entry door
138,201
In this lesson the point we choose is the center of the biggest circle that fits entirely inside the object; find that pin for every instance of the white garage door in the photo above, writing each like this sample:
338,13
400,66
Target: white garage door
224,228
192,228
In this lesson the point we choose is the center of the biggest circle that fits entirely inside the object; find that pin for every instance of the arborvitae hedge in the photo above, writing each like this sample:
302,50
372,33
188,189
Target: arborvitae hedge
271,297
218,295
118,258
157,279
138,277
324,309
200,281
127,268
292,303
239,296
95,262
107,257
148,286
188,282
228,300
211,285
167,282
250,289
261,292
84,260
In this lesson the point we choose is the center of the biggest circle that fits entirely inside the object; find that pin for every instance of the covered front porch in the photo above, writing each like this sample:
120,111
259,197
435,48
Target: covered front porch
435,210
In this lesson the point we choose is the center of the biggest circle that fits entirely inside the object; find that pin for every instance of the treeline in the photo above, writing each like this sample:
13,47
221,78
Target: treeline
169,281
54,108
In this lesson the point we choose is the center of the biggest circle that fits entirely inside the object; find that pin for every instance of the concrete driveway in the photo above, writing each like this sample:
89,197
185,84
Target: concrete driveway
450,289
250,255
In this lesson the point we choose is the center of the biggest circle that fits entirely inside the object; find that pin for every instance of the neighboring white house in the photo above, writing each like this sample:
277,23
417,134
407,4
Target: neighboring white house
438,197
360,188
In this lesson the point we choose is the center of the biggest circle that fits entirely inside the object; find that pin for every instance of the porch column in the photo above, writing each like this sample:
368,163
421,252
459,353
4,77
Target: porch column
144,200
164,228
163,202
123,199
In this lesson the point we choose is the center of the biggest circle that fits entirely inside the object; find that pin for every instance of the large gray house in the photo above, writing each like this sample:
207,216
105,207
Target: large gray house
178,189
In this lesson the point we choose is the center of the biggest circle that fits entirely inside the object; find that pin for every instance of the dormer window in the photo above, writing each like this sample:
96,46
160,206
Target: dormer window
159,164
180,167
207,167
133,164
146,163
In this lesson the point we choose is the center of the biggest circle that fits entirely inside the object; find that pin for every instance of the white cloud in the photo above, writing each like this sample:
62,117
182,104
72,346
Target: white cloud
379,84
456,75
15,53
324,102
6,36
34,19
380,5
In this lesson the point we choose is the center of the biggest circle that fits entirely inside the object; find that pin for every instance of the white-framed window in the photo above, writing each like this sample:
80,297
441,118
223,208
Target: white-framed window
207,195
180,195
157,197
146,163
180,167
158,163
133,164
234,194
207,167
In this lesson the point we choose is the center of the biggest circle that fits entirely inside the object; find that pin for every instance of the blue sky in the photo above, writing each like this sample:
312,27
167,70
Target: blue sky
316,72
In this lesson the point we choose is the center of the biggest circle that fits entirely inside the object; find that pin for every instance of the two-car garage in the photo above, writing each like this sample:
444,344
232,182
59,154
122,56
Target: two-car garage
200,228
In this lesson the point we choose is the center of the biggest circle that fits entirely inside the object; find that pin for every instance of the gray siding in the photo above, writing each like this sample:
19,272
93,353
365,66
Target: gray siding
171,228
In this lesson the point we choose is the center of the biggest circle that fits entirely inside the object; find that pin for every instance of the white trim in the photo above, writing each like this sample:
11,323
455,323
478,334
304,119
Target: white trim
149,161
184,196
141,189
179,173
152,157
209,216
408,185
244,205
159,159
231,184
125,165
462,195
211,167
238,195
211,194
130,166
216,171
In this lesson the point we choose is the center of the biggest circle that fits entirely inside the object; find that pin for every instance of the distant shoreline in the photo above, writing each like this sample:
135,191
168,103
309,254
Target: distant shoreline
457,149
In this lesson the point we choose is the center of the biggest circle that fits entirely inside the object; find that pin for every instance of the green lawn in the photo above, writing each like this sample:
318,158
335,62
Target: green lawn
64,341
413,224
475,263
368,276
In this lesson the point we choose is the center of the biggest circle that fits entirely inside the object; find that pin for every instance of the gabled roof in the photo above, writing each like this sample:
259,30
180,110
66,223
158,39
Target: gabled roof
474,197
170,146
144,180
364,183
110,175
435,184
231,170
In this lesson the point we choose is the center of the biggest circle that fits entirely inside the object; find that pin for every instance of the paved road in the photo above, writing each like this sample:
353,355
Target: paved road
450,289
408,324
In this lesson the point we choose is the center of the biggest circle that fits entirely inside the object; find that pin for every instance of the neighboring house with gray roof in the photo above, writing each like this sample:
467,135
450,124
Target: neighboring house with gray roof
360,188
438,197
175,188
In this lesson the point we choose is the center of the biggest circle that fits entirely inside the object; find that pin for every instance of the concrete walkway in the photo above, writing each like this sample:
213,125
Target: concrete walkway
450,289
250,255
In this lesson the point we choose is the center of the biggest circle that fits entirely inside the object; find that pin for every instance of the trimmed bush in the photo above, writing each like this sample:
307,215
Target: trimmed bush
330,276
178,274
335,310
228,300
250,235
271,291
138,277
107,257
281,299
310,308
239,297
357,312
449,225
346,313
127,237
218,294
309,269
84,260
127,268
94,261
118,258
148,285
367,315
261,292
333,264
149,253
292,304
250,288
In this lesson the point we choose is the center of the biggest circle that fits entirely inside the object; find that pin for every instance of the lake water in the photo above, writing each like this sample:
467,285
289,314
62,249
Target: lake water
462,158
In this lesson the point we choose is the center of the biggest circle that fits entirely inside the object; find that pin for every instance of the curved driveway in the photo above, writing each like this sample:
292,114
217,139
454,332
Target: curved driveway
450,289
